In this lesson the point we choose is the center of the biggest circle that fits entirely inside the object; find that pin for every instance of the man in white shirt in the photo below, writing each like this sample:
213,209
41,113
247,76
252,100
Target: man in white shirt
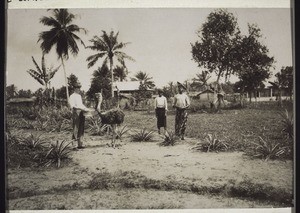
181,103
78,109
161,108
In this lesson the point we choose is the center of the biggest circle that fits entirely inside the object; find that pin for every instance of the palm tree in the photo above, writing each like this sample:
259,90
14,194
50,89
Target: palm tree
120,73
201,80
42,74
145,80
108,47
62,35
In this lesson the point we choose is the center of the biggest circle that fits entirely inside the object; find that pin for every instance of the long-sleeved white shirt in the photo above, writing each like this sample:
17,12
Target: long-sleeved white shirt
76,101
181,101
161,102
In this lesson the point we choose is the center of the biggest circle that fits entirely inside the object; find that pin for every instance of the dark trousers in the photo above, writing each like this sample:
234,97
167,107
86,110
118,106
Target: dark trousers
78,125
180,122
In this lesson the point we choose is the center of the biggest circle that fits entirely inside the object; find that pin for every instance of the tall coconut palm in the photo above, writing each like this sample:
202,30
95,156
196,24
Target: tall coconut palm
108,47
42,74
145,80
62,35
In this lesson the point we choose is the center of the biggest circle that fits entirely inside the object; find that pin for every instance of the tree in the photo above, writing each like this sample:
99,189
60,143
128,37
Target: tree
25,93
254,61
120,73
144,79
62,35
72,80
11,91
216,50
200,81
42,74
284,80
100,82
108,47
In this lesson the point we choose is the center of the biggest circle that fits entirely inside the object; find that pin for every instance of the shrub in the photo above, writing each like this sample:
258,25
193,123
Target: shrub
288,123
58,152
34,141
266,149
170,139
142,135
211,143
13,138
121,132
96,127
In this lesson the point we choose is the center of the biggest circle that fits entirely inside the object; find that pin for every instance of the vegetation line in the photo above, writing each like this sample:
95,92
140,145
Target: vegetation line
129,180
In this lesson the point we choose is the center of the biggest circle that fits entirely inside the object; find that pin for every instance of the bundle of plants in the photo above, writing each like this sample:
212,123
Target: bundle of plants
170,139
211,143
58,152
142,135
267,149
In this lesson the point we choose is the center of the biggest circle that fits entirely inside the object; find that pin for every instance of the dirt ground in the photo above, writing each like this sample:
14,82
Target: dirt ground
67,187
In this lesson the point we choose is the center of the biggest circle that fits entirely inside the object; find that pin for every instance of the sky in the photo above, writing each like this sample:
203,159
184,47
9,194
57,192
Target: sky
160,41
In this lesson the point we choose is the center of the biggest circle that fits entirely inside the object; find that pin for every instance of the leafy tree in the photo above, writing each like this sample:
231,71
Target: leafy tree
100,82
72,80
120,73
108,46
216,50
42,74
25,93
62,35
254,62
145,80
284,80
11,91
61,93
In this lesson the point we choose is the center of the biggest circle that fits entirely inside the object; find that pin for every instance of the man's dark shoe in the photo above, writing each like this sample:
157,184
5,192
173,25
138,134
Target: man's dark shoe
80,147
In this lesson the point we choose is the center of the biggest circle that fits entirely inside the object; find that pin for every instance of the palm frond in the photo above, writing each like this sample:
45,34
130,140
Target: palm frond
52,73
49,21
37,66
94,58
36,76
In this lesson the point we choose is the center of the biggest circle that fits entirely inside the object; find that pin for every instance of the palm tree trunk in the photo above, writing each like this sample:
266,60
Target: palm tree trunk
112,77
66,80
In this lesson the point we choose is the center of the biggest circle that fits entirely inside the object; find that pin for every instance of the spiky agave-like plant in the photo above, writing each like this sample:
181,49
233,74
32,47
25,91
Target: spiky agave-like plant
288,123
58,152
267,150
142,135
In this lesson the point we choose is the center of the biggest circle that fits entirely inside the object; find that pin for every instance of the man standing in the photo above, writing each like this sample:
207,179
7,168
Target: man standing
78,118
161,108
181,103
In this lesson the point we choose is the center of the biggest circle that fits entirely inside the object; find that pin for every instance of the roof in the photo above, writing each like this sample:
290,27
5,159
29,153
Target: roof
206,91
126,85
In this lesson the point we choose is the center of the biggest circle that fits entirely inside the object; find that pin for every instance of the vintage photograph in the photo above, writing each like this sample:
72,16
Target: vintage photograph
149,108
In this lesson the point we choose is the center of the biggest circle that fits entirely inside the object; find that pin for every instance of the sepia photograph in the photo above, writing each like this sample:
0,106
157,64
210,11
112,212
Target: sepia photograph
149,108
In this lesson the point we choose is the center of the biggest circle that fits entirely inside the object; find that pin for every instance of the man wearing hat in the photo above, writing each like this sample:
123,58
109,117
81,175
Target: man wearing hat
181,103
78,118
161,108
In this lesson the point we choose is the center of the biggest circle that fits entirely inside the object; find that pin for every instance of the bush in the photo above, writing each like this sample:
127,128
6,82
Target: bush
266,149
142,135
58,152
121,132
34,141
211,143
170,139
288,123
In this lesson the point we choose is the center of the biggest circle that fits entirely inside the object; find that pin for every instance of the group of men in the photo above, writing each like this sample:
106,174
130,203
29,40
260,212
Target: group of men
181,103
